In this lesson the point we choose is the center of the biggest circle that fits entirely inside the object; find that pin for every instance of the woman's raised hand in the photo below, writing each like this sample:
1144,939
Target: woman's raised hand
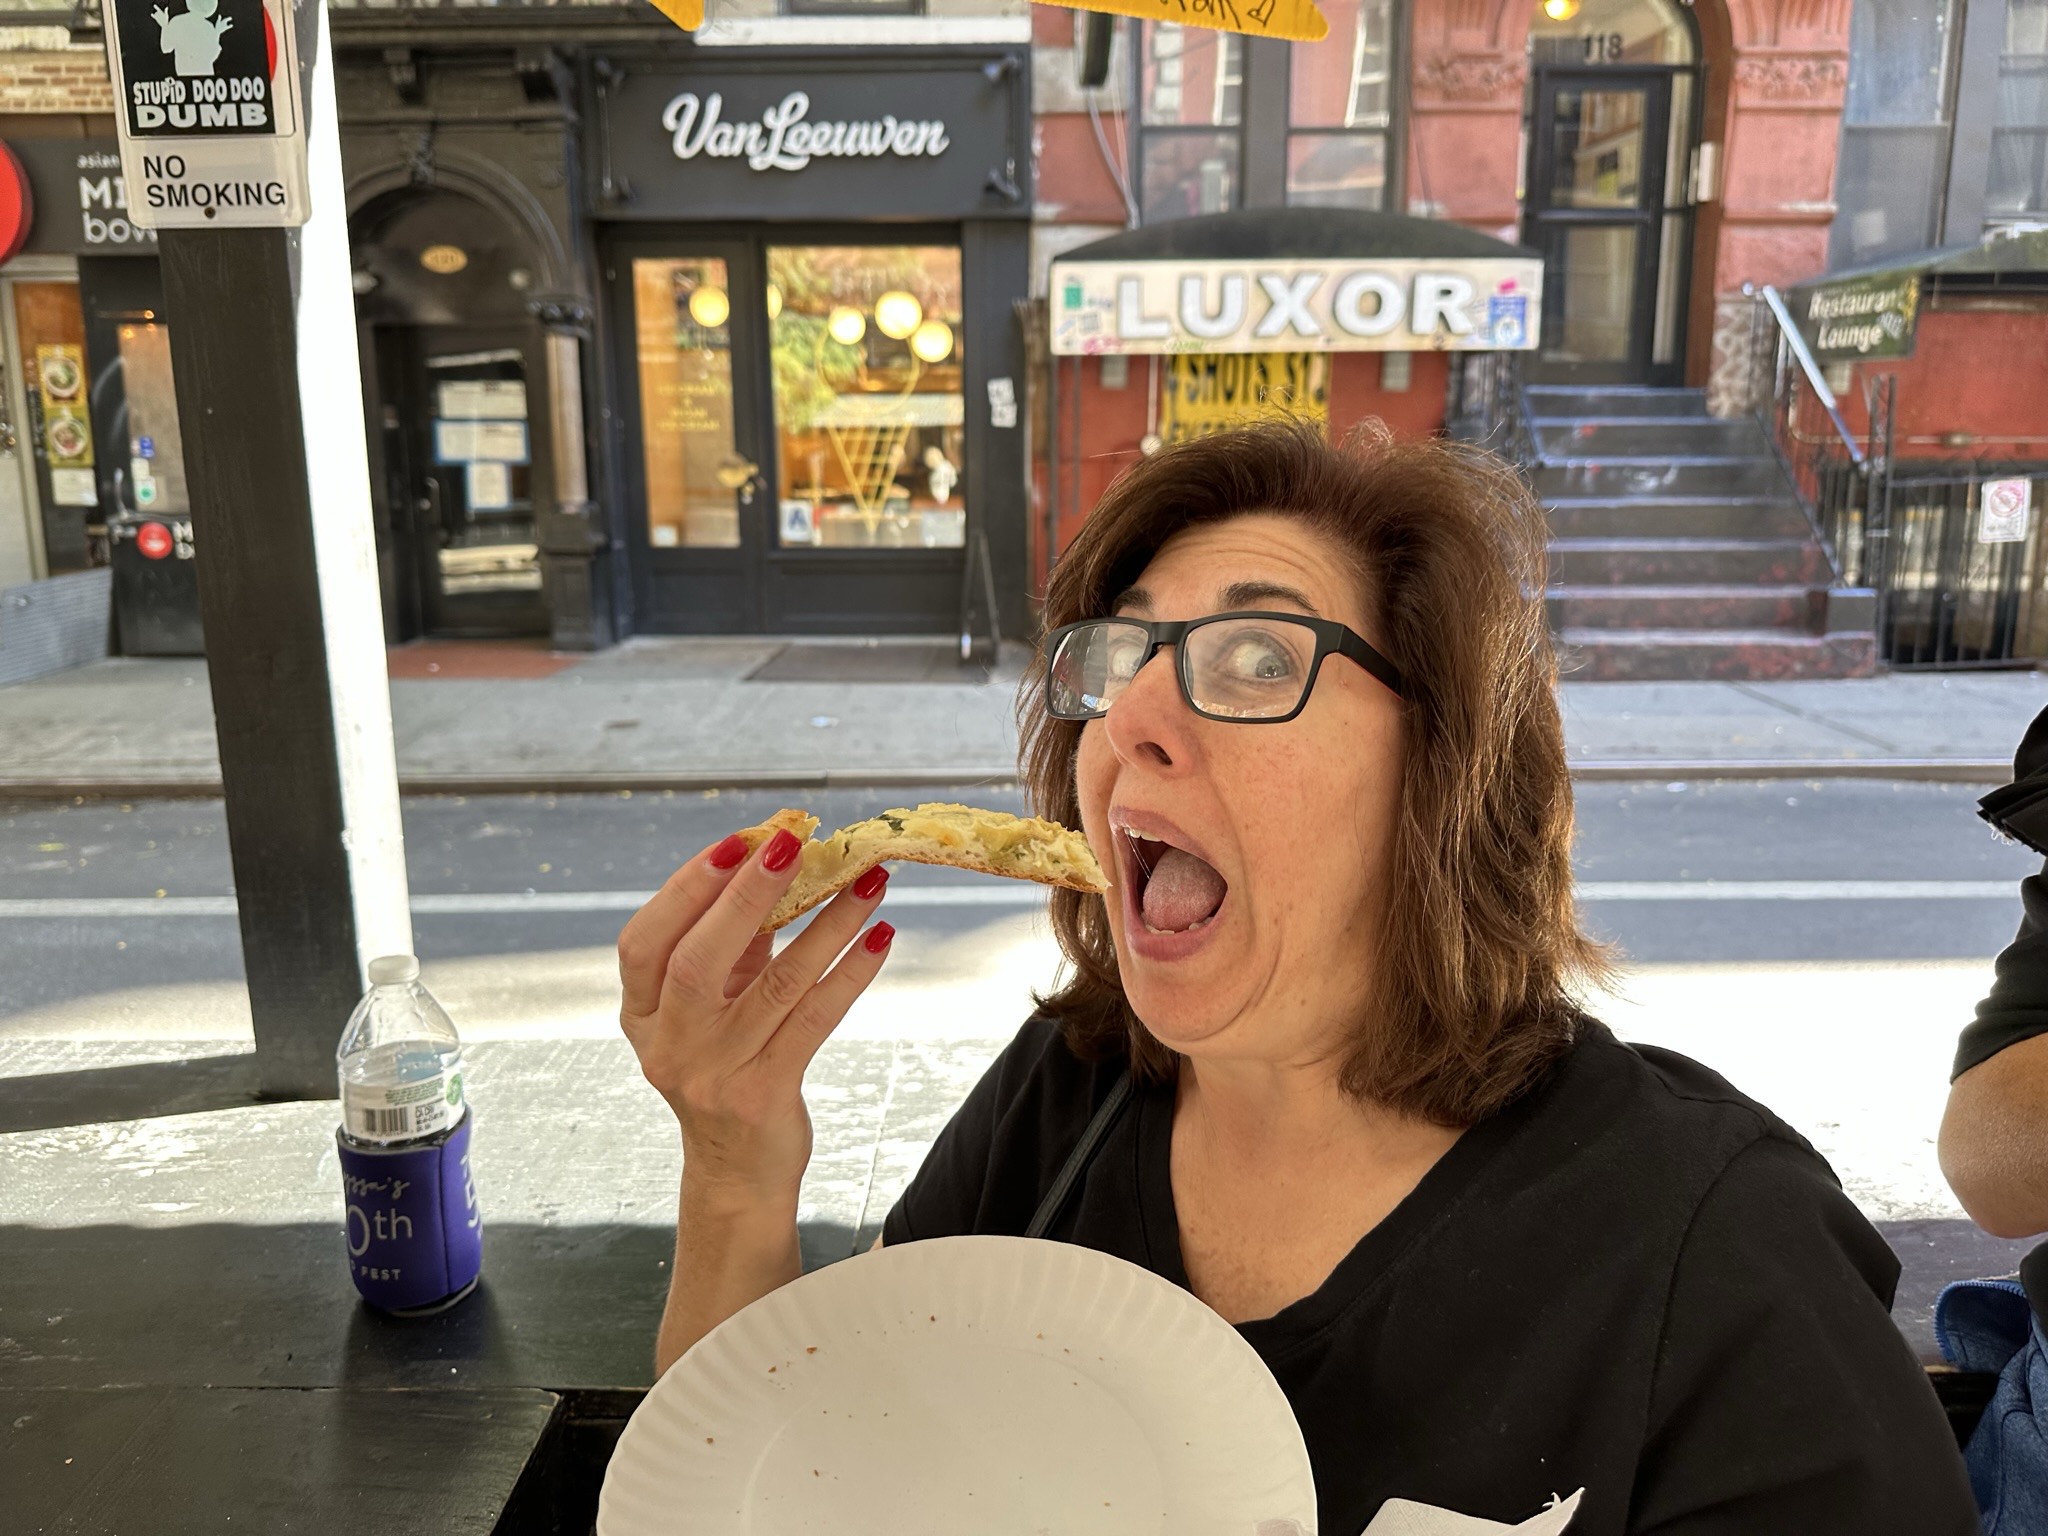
724,1028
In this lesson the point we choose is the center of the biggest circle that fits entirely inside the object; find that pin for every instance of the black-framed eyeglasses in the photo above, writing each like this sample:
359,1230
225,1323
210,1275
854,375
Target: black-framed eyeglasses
1252,668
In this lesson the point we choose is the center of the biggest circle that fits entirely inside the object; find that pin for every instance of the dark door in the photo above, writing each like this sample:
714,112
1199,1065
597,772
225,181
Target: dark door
1599,150
459,464
695,431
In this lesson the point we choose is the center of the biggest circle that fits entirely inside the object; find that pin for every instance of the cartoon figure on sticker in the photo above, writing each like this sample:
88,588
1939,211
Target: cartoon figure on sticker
193,38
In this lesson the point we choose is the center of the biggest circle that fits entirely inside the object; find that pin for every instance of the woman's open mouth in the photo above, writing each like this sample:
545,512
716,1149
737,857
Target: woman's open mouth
1172,890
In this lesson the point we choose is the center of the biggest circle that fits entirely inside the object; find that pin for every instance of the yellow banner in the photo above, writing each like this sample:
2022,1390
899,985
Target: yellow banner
1296,20
1222,390
687,14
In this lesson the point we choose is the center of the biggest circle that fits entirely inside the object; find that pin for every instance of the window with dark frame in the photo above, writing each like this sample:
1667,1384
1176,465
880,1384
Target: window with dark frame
1190,121
2019,139
1896,120
1314,124
1340,109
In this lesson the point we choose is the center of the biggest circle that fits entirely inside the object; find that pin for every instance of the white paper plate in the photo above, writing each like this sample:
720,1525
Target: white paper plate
967,1386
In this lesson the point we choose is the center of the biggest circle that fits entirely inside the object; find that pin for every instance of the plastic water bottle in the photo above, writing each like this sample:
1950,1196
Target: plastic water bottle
415,1236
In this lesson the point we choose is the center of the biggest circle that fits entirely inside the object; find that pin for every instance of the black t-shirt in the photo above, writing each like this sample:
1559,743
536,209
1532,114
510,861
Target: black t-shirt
1633,1280
2016,1008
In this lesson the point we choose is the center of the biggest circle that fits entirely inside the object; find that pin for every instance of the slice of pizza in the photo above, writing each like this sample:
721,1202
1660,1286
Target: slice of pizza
993,842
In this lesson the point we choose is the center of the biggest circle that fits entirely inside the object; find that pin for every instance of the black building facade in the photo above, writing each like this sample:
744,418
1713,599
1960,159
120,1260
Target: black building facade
660,337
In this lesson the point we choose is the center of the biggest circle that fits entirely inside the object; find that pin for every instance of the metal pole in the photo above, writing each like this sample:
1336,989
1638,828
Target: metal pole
1079,509
263,346
1052,470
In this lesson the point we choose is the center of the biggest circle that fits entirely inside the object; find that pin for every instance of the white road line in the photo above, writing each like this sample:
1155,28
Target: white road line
492,904
482,904
1799,890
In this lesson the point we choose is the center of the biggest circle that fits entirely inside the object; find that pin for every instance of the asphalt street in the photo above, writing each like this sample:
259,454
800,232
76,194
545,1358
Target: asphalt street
1819,942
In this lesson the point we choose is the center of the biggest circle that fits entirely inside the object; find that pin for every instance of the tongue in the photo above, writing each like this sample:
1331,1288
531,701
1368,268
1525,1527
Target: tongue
1181,892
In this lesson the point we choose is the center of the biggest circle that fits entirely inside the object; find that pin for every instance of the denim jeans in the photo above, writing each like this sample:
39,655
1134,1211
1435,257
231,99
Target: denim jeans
1987,1325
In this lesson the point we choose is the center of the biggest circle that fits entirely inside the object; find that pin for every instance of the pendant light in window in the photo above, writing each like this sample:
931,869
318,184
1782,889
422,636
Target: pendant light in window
932,341
898,314
846,325
709,307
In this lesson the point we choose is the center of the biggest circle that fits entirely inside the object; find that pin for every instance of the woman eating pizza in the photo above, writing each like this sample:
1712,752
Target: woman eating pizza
1317,1054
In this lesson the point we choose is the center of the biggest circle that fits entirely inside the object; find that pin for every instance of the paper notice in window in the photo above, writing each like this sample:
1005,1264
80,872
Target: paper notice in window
460,442
74,488
490,486
2003,508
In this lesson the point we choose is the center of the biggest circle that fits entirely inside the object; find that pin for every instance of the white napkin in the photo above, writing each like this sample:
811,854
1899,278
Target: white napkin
1403,1517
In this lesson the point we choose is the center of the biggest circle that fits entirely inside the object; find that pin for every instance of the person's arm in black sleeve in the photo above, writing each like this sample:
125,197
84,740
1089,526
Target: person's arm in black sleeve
1994,1135
1786,1399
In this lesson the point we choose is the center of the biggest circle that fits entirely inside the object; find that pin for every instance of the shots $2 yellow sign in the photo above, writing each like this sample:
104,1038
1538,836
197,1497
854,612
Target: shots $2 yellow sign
1214,393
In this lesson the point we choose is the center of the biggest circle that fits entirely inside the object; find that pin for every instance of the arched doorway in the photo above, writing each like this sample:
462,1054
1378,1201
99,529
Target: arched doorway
1611,127
460,460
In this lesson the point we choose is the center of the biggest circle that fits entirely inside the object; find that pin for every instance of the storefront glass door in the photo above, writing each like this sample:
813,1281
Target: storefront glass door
797,411
870,418
696,447
49,328
1595,197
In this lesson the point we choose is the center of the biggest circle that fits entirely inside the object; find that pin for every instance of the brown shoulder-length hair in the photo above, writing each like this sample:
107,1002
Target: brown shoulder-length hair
1481,958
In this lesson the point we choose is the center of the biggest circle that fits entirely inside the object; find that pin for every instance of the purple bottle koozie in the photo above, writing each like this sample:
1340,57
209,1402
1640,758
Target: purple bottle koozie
415,1236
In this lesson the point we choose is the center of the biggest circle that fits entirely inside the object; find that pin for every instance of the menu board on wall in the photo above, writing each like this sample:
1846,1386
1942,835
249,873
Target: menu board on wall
66,423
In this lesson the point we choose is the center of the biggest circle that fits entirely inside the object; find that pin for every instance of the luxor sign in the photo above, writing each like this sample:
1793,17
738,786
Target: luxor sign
1485,304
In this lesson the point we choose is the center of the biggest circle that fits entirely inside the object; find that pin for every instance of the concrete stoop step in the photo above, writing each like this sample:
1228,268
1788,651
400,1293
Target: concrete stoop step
1677,547
1720,655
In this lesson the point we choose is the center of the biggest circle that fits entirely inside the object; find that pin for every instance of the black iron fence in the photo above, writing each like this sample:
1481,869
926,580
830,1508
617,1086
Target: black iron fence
1965,566
1952,548
1486,405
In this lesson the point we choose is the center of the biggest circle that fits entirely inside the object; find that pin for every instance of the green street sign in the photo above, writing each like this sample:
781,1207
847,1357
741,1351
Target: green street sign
1856,319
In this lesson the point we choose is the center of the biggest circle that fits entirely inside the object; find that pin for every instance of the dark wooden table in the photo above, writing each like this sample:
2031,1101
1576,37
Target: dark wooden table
214,1378
200,1461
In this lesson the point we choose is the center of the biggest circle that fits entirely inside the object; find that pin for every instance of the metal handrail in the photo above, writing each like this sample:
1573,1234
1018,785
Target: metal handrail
1795,343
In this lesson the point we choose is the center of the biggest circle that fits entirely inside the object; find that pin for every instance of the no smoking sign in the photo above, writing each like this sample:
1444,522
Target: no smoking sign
211,125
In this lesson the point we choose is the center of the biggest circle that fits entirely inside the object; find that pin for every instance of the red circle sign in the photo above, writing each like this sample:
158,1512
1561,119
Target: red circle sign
17,205
154,540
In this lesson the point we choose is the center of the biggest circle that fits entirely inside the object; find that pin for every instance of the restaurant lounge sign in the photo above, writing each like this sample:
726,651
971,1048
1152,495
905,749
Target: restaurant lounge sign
1858,318
1489,304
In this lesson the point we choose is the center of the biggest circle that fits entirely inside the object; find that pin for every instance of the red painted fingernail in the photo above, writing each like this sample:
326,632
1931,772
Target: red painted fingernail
869,885
878,938
728,854
781,850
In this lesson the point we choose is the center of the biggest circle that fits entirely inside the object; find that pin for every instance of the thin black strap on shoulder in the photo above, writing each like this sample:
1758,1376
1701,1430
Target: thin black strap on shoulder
1056,1198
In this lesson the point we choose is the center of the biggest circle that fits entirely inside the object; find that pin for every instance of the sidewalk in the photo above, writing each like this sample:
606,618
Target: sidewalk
685,713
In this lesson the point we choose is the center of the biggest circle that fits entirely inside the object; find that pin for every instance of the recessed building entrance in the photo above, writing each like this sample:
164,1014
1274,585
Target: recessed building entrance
1607,186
